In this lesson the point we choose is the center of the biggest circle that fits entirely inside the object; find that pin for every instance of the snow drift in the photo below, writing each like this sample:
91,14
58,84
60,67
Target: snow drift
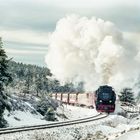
93,51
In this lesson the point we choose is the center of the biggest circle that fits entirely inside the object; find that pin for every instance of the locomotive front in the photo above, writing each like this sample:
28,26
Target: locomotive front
105,99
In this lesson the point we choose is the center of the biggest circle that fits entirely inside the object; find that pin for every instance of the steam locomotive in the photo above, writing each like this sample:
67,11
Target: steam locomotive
105,98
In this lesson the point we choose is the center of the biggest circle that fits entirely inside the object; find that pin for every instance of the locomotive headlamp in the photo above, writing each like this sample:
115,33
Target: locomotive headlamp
100,101
110,101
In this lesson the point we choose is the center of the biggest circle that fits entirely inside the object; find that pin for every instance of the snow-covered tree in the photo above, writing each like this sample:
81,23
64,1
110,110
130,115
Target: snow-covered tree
32,79
127,95
138,98
39,85
5,78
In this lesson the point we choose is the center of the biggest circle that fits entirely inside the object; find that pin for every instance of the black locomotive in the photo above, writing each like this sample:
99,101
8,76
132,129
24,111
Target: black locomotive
105,98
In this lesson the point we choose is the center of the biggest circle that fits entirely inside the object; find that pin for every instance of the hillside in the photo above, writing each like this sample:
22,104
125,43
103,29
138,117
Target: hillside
32,79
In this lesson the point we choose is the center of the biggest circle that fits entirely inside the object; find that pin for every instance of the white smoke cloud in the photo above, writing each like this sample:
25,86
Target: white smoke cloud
93,51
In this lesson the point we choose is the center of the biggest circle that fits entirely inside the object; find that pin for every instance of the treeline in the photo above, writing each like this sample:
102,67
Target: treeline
36,80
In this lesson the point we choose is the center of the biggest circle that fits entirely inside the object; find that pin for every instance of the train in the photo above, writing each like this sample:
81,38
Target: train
103,99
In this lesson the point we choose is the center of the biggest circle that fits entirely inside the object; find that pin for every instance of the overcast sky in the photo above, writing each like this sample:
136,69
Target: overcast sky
25,25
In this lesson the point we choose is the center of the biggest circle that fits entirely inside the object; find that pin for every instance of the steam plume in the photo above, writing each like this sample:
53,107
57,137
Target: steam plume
93,51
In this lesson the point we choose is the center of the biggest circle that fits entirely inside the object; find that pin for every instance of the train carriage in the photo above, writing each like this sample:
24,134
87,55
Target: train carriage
103,99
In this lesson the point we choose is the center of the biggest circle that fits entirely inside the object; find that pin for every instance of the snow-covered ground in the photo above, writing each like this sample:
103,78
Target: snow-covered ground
25,118
25,113
106,128
21,118
134,135
111,128
74,112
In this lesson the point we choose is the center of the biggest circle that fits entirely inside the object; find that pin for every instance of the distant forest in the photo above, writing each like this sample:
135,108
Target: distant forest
32,79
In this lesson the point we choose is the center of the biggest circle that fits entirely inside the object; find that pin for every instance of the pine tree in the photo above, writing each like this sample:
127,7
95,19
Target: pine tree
39,85
5,78
138,98
28,81
127,95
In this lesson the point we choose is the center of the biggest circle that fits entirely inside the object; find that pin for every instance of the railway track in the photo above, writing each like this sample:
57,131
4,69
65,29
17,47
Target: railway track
52,125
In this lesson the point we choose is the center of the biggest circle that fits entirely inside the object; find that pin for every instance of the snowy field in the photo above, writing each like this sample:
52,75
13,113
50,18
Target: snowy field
134,135
20,118
74,112
25,118
114,127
